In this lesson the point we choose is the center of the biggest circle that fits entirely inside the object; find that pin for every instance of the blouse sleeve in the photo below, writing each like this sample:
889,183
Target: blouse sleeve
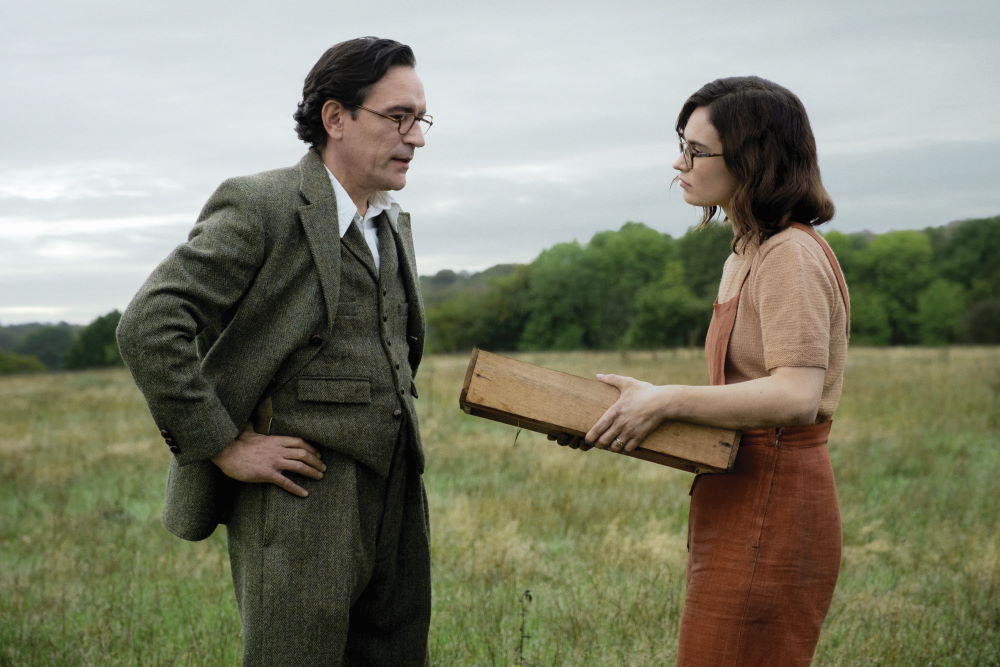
793,294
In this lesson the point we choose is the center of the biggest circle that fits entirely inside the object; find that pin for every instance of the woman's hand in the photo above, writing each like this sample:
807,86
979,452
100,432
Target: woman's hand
571,441
636,413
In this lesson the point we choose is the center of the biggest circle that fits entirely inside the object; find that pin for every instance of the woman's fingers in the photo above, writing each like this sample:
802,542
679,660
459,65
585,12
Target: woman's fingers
571,441
601,426
623,382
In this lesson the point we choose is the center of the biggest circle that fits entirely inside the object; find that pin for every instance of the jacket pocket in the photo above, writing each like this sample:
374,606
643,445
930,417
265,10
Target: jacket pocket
334,390
348,308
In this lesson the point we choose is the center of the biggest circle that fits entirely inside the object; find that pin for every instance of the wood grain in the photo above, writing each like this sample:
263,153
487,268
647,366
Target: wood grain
550,401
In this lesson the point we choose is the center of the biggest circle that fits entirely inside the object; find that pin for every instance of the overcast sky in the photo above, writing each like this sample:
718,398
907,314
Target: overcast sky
553,121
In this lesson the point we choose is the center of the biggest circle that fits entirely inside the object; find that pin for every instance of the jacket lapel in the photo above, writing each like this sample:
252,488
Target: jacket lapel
403,237
319,220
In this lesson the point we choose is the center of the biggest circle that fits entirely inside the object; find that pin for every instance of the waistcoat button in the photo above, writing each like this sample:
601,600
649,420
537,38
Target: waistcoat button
315,340
397,413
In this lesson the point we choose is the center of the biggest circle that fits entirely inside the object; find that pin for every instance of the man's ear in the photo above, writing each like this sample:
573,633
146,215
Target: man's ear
333,113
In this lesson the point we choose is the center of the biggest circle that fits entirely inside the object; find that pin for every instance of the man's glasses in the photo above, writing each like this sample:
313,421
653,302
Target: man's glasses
690,154
405,121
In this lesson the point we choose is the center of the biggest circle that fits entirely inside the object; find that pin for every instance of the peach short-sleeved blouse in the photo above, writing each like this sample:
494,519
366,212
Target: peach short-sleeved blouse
791,312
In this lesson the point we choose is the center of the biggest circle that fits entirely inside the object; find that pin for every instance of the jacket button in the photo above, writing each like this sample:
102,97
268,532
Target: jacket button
175,449
397,413
170,441
397,366
385,318
315,340
165,433
402,392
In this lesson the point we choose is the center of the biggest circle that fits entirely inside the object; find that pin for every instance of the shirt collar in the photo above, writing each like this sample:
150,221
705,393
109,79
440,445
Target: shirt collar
346,210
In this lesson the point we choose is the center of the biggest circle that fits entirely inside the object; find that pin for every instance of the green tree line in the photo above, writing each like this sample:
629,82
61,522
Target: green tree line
638,288
29,348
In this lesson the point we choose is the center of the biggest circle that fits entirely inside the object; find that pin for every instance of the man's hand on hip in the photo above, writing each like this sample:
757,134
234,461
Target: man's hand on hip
263,458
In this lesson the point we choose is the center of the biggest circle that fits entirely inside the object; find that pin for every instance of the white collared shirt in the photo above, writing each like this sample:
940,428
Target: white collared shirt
347,213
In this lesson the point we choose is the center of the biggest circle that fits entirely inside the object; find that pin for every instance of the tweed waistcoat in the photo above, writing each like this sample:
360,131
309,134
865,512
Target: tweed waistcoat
357,392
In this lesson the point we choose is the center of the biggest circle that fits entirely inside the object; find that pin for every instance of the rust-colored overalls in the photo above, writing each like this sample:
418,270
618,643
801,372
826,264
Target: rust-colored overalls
764,540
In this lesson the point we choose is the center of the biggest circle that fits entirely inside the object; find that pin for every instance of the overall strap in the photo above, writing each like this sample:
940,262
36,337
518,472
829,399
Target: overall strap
834,264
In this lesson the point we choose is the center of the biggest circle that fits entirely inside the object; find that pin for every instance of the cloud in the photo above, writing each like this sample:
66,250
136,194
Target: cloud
33,229
553,121
63,250
82,180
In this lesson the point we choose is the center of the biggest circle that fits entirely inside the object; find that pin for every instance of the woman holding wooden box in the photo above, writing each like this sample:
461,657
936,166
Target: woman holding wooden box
764,540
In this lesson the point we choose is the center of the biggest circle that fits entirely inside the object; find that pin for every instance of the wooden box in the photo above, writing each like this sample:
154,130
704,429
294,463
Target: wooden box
549,401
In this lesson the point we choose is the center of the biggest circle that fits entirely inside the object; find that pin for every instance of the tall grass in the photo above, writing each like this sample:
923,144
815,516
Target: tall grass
89,576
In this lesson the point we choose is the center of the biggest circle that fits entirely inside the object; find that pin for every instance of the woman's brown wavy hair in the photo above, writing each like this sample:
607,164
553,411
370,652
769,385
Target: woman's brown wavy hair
768,145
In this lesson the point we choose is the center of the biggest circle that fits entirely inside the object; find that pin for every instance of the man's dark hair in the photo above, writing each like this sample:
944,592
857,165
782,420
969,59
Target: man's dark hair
345,73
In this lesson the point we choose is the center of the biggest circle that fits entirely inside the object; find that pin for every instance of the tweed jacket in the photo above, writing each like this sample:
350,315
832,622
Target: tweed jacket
257,281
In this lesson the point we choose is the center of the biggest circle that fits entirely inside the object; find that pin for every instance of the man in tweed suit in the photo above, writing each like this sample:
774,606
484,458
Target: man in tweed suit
276,349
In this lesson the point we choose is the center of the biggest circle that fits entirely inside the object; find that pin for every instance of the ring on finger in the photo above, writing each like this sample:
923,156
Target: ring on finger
618,443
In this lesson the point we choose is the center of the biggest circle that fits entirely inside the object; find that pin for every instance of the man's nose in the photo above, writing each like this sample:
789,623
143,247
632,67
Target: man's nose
415,137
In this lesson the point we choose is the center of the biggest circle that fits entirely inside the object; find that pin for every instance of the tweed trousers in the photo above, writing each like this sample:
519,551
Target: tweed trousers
341,577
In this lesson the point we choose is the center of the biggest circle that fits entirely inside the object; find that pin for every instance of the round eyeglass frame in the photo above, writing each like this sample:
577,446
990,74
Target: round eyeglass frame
690,154
407,119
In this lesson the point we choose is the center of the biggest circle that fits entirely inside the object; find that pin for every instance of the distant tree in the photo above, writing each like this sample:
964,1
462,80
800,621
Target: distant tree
615,266
11,363
95,347
505,311
939,309
48,343
981,323
557,300
583,297
848,248
668,314
490,318
446,284
703,252
13,335
896,265
443,278
455,324
8,339
967,253
869,317
636,287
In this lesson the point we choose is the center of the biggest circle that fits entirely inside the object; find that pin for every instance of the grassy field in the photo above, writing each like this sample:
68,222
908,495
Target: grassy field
89,576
